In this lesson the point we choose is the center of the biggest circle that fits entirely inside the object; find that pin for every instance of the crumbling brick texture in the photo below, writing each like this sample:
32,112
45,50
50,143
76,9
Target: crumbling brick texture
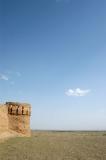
16,117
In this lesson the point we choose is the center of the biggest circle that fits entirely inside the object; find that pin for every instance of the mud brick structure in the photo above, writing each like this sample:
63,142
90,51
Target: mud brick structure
15,117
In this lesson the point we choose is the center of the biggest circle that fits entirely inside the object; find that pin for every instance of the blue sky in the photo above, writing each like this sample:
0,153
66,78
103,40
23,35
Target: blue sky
53,55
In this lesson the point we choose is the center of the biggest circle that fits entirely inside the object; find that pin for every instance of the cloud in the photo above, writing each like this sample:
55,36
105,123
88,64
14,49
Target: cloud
13,73
3,77
10,76
77,92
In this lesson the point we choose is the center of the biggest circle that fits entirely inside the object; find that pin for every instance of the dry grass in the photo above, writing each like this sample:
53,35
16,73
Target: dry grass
56,146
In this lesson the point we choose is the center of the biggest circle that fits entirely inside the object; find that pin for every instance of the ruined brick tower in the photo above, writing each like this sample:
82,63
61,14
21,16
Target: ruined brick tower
15,117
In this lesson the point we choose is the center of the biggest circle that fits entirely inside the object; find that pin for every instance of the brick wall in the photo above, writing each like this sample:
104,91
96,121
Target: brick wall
15,117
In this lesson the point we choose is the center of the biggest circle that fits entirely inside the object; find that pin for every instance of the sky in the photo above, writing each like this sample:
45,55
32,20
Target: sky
53,56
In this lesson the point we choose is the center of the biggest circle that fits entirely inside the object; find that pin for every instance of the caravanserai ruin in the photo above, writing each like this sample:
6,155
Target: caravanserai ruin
15,118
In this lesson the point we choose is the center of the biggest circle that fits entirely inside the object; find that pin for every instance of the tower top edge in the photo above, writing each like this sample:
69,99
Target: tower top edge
18,104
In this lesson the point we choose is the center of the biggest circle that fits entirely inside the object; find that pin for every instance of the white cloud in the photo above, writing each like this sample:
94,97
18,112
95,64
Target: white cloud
3,77
13,73
77,92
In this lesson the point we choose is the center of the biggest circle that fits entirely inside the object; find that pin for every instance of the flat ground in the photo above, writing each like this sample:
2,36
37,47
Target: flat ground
56,146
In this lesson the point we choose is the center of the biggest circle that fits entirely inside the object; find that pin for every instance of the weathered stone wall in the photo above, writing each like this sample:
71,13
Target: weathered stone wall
3,118
15,117
20,124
